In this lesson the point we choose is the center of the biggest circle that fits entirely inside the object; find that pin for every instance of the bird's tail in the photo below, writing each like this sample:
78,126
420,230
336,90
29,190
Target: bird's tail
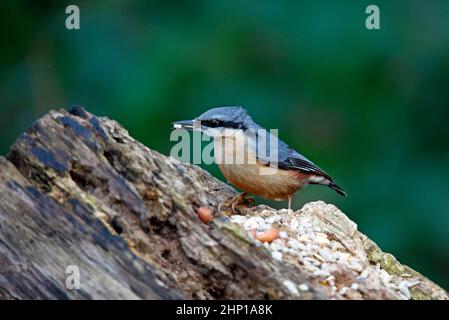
339,190
326,181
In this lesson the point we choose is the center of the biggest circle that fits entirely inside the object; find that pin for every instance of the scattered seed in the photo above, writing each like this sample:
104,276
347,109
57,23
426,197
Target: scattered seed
291,287
318,251
276,255
303,287
283,234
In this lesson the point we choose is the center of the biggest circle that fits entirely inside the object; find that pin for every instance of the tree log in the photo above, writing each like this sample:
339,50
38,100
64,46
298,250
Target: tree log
77,190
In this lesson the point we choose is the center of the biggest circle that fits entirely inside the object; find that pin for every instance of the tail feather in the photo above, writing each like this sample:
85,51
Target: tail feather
324,180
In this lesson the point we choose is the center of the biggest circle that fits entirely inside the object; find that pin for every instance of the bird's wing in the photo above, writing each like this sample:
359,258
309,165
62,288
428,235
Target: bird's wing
290,159
299,162
287,158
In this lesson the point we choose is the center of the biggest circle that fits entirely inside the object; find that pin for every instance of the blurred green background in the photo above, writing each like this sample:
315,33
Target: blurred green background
369,107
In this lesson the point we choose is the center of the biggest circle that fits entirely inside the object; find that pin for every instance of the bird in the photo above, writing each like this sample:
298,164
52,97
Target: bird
235,134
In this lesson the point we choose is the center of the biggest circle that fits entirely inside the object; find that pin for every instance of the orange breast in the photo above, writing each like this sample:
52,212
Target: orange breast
278,186
252,176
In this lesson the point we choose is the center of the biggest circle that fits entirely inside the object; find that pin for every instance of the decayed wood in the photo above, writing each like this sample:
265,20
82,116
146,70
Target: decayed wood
76,189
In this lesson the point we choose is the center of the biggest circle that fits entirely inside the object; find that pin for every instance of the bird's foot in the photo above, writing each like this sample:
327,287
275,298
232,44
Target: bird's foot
238,203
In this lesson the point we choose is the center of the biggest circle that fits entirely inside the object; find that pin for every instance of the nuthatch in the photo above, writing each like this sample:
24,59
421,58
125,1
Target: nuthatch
234,132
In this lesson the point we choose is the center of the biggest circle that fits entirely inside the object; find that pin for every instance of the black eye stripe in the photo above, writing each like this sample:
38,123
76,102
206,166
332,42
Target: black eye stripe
231,124
214,123
211,123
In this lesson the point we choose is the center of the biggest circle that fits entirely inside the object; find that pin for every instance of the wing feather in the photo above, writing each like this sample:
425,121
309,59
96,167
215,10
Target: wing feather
303,164
289,159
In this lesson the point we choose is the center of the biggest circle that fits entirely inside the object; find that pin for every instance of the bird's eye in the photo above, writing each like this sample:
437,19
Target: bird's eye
214,123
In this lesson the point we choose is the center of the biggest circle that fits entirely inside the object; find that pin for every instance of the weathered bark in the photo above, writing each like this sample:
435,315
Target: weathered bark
78,190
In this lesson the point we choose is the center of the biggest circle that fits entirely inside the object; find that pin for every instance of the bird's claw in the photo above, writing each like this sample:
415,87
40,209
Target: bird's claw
237,202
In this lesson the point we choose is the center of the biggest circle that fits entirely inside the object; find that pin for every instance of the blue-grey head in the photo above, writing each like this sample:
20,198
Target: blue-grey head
218,121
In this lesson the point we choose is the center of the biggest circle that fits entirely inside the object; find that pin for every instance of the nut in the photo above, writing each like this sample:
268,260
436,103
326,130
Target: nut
268,236
205,214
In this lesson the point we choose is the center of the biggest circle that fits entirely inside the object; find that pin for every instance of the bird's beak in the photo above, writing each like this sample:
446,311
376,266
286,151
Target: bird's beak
183,124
